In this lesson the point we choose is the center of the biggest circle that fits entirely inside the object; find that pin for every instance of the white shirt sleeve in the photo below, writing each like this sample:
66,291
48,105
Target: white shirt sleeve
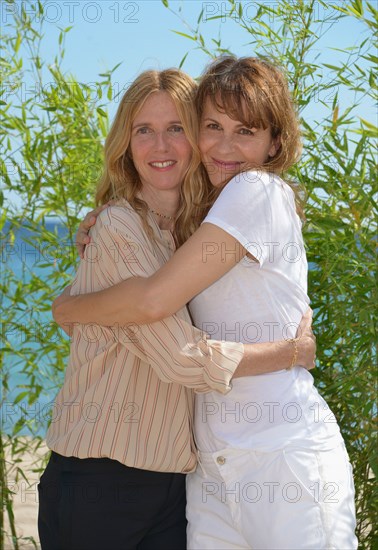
244,210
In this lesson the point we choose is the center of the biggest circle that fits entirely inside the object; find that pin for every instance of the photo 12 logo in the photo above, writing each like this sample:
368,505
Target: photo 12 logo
247,12
71,12
269,491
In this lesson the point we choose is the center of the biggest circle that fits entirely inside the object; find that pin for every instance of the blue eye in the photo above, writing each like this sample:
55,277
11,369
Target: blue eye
176,129
143,130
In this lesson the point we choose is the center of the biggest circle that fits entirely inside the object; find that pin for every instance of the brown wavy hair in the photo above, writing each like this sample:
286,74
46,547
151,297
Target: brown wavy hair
255,92
120,178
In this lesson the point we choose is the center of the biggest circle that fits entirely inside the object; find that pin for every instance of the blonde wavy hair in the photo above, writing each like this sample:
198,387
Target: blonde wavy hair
120,178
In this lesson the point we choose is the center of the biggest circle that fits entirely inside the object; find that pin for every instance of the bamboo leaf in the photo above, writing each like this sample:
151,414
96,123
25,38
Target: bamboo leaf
116,67
183,60
199,18
18,43
371,127
194,38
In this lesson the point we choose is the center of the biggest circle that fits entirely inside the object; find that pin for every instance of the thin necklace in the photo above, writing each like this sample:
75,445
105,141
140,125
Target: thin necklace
161,215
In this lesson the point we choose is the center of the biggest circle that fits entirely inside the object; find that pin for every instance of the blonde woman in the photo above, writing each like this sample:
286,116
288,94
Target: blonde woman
121,433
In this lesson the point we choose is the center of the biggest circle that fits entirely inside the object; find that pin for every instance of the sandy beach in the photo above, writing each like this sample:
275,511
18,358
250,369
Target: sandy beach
25,498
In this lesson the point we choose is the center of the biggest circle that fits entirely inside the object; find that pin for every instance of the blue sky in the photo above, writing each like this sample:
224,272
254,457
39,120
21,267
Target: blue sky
139,34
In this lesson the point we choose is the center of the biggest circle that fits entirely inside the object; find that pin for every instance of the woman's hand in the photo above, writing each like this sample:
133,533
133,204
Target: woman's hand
82,237
306,343
66,295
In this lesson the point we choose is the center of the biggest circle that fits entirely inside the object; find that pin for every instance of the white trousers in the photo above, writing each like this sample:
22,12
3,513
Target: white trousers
288,499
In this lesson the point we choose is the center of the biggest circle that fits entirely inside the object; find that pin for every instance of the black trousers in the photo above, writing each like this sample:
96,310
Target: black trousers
100,504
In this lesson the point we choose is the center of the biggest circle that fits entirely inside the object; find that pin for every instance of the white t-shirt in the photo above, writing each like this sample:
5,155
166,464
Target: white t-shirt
260,301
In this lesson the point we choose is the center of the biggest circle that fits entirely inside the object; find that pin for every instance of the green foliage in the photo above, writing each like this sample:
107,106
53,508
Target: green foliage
51,138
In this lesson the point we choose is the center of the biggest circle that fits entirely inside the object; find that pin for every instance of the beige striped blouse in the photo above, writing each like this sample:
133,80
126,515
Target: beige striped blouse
128,391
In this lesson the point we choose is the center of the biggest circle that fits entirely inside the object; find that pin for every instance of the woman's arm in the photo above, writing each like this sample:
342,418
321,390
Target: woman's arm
174,349
273,356
257,359
213,252
202,260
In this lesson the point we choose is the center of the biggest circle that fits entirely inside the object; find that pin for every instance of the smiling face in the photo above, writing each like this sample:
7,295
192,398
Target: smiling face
160,150
228,147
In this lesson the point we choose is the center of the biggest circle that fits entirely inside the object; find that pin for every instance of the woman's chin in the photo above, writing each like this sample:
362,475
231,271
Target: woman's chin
218,180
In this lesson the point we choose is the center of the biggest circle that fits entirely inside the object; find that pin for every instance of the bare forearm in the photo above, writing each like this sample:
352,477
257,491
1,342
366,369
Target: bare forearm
283,354
264,358
106,307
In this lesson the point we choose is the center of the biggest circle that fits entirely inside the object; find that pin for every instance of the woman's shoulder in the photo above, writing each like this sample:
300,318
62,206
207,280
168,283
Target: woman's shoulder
252,180
261,176
268,183
121,217
249,186
121,213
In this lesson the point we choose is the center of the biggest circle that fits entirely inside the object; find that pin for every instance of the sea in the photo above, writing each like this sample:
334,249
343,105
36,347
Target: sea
27,258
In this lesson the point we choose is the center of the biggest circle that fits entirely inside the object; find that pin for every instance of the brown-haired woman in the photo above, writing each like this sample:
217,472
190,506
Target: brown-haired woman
121,430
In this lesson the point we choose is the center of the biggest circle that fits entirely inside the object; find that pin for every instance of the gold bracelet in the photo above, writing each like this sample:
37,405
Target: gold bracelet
294,341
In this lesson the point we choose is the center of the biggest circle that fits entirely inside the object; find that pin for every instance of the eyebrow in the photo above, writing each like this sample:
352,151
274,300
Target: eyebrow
238,126
149,123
